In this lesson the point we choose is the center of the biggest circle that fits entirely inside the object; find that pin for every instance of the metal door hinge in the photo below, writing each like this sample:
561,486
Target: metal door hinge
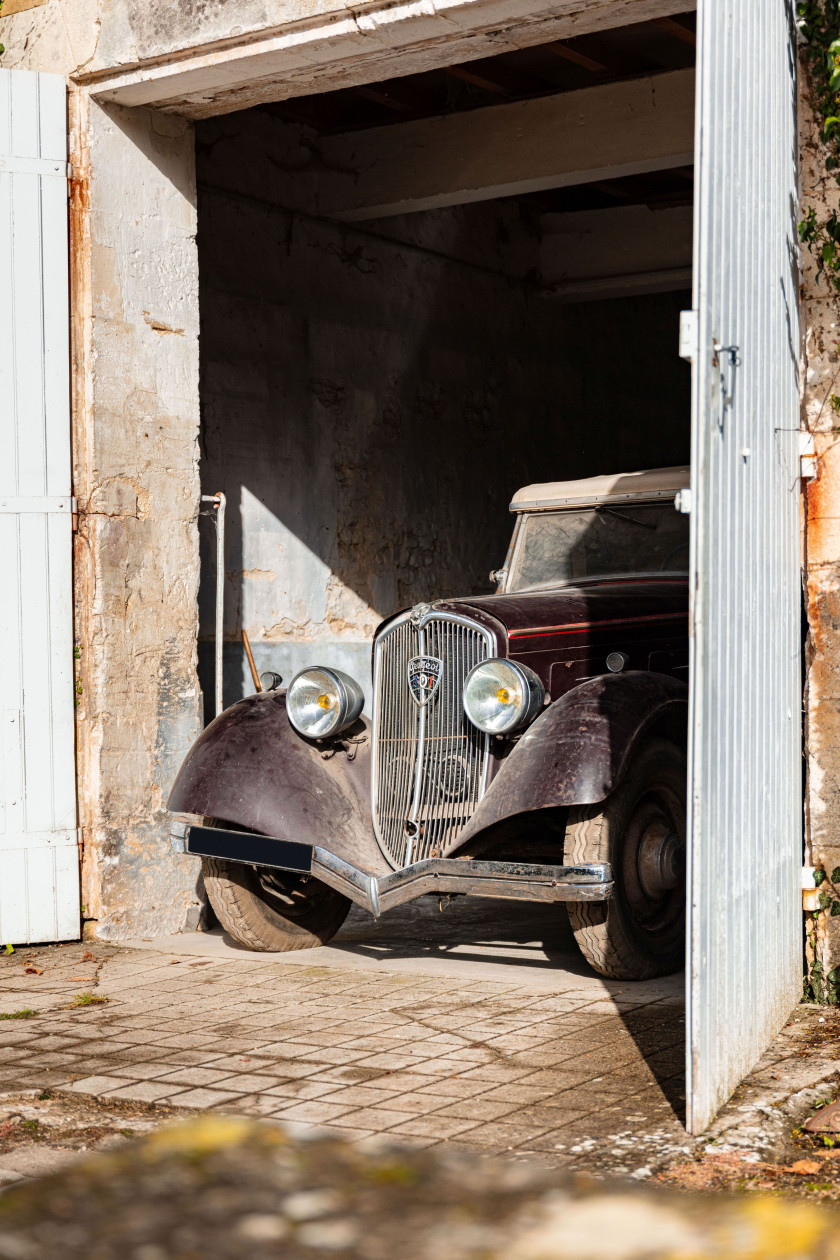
682,501
807,457
689,325
810,891
10,165
51,503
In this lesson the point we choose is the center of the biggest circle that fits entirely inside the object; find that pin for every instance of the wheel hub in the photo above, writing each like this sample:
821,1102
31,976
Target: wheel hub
661,860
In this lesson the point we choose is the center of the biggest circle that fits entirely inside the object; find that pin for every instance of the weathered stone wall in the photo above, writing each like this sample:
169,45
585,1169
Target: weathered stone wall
820,314
136,480
373,395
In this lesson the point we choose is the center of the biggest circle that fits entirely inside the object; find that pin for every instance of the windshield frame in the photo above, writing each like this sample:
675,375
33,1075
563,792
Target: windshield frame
559,583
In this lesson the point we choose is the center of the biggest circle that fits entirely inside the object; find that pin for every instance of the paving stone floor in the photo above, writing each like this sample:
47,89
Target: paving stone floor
430,1029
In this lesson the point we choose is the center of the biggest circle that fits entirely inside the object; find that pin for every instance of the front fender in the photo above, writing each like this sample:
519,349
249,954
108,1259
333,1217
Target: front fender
576,751
251,768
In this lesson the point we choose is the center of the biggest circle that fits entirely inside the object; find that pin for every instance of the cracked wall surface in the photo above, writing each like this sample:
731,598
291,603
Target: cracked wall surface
136,482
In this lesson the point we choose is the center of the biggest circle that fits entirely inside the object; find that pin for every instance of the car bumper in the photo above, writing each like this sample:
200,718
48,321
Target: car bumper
520,881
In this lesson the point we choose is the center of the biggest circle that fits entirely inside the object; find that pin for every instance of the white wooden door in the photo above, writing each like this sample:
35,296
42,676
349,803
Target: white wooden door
39,859
745,833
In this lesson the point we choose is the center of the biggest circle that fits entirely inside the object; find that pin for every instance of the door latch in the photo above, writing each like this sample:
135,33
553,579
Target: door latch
726,359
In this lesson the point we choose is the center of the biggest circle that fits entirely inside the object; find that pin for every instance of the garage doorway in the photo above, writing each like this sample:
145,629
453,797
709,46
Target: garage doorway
376,386
379,380
385,360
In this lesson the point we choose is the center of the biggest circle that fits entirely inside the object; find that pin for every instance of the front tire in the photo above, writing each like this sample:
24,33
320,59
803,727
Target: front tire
272,911
640,829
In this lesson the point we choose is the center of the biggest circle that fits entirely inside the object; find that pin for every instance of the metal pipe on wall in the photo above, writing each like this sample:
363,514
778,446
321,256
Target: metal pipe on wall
220,501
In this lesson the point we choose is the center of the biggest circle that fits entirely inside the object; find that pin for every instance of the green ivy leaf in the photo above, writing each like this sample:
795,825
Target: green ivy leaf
835,874
835,908
819,876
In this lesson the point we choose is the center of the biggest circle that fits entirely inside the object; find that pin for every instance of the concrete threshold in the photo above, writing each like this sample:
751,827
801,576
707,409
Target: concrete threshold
526,948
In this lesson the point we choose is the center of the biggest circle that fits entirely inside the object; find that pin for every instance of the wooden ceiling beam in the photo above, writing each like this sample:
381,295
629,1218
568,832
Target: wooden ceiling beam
477,80
383,98
594,134
676,29
559,49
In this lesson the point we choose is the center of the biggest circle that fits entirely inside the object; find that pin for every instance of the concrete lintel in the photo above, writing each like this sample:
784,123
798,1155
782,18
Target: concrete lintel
616,253
350,45
554,141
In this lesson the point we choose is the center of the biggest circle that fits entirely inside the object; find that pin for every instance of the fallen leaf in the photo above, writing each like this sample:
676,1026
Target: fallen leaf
826,1120
31,970
87,956
805,1166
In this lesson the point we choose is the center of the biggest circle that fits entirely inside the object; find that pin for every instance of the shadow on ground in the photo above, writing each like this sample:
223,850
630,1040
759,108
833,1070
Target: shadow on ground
521,939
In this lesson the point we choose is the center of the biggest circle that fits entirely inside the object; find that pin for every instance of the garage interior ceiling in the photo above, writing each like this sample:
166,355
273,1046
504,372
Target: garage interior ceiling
603,57
398,329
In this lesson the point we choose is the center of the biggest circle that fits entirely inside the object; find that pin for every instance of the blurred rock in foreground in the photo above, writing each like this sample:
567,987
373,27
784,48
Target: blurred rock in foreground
224,1187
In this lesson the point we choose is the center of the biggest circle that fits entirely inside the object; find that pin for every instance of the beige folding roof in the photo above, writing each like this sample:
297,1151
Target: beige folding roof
651,483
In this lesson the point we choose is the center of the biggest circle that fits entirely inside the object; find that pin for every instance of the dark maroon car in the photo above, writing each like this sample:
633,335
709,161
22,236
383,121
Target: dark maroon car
529,744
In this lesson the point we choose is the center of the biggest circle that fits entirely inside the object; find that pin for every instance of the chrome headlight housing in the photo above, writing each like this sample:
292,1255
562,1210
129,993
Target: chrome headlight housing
321,702
502,696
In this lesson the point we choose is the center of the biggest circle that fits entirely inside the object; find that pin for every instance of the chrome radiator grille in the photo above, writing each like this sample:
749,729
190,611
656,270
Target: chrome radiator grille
429,762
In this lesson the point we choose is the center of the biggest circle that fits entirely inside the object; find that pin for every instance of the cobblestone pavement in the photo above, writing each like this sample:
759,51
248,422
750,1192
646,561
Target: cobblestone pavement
533,1061
481,1030
483,1049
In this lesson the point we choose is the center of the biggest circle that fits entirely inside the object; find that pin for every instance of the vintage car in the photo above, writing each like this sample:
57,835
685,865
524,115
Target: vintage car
528,744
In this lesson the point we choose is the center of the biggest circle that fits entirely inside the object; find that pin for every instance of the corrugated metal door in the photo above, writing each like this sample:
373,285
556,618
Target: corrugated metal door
39,862
745,851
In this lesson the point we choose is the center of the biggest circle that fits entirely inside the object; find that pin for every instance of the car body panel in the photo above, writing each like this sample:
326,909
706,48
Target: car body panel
576,750
251,768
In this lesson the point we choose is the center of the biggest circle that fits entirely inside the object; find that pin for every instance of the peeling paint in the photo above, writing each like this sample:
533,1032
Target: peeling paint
135,425
820,374
158,326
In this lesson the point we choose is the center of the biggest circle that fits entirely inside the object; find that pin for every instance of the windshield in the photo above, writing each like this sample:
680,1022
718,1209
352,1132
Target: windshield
597,542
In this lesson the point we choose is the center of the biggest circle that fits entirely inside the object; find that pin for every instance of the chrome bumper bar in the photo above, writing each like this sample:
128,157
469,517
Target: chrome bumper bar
520,881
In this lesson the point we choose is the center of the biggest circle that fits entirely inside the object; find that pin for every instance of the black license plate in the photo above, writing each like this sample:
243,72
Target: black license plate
243,846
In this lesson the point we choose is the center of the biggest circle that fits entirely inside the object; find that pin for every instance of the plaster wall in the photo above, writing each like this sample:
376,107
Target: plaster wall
373,395
135,285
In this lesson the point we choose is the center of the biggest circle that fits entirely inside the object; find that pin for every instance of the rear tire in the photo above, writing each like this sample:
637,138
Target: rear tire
272,911
640,829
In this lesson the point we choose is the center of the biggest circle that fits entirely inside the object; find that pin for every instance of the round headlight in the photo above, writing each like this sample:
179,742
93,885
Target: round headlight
502,696
321,702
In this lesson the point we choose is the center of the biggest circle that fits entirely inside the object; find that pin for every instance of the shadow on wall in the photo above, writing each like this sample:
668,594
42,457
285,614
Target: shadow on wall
369,407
